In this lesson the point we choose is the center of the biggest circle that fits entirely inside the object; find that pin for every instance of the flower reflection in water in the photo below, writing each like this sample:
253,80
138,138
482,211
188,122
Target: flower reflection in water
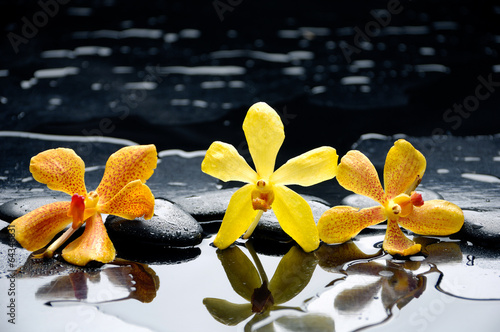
375,286
116,281
250,281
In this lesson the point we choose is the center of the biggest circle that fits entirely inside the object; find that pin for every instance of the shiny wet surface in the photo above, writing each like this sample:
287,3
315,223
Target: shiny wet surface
178,75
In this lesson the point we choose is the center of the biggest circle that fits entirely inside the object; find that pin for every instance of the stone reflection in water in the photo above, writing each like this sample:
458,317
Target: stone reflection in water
374,287
115,281
250,281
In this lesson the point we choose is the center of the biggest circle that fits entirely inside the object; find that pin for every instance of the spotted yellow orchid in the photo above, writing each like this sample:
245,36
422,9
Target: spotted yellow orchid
121,192
399,204
265,187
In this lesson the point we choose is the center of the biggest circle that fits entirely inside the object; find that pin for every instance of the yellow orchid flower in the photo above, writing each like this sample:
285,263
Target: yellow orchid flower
399,204
250,281
121,192
266,188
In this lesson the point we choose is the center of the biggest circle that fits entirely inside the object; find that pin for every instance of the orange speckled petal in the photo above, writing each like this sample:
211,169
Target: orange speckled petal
133,201
295,217
239,216
60,169
265,134
342,223
93,245
127,164
224,162
357,173
35,229
435,217
403,170
396,243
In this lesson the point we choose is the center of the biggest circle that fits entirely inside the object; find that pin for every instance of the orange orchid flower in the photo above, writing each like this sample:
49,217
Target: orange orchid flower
122,192
399,204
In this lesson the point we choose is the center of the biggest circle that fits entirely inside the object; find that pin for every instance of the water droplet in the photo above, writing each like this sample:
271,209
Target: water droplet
470,260
386,273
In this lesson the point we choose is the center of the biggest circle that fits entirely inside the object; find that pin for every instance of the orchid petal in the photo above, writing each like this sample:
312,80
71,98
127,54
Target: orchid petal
60,169
35,229
310,168
403,170
435,217
295,217
356,173
292,275
265,134
133,201
240,271
396,243
224,162
226,312
125,165
239,215
93,245
341,223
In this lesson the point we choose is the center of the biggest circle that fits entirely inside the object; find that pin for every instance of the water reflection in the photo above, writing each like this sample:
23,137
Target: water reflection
375,285
332,258
116,281
249,280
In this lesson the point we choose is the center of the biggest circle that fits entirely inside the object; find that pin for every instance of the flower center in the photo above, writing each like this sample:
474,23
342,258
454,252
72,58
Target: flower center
402,205
262,299
91,200
80,204
262,196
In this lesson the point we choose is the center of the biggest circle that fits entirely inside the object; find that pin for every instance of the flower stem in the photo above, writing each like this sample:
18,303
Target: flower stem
253,225
257,262
49,252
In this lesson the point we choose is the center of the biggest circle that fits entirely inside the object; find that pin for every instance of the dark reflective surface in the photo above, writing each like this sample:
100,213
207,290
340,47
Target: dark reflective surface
181,74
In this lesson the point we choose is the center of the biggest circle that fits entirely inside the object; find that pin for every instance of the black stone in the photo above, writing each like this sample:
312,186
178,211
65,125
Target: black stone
170,226
481,227
16,208
206,206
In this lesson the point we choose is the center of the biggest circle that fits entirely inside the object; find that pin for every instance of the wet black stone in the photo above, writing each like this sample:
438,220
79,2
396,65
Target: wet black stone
16,208
206,206
481,227
170,226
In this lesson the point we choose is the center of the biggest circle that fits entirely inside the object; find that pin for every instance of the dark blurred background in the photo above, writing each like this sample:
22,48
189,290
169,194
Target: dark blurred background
182,74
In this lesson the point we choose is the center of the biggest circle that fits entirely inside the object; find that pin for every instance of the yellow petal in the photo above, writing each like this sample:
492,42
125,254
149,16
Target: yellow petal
357,173
295,217
265,134
224,162
60,169
35,229
93,245
292,275
240,271
125,165
239,215
342,223
396,243
403,170
226,312
312,167
133,201
435,217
